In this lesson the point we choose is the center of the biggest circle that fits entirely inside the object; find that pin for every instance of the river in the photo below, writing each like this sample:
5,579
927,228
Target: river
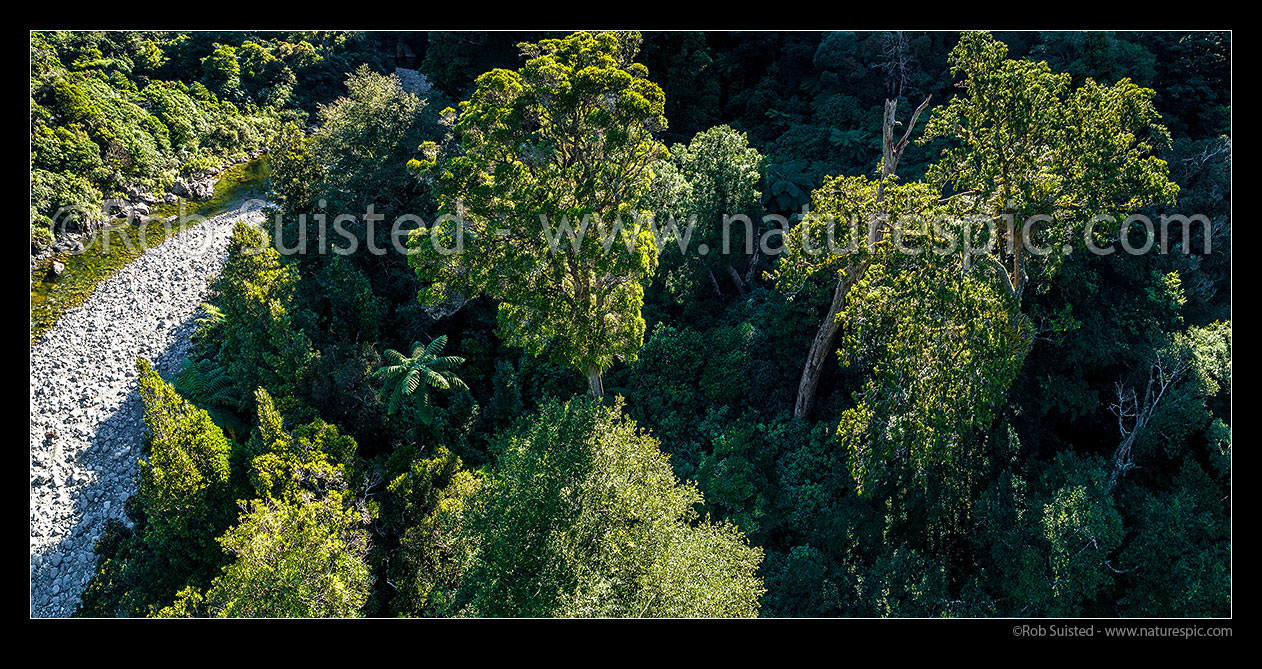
110,249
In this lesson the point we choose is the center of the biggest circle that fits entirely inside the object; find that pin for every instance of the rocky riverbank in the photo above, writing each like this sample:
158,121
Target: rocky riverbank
87,424
136,205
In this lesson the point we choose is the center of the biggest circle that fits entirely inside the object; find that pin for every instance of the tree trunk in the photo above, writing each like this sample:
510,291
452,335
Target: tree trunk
1018,267
736,279
1162,376
1122,462
822,345
595,382
753,266
714,283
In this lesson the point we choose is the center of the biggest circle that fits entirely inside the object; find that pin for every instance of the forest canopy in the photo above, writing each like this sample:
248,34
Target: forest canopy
624,425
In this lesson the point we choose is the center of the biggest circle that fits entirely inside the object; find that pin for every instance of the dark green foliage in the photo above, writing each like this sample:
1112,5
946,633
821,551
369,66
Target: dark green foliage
1179,559
506,403
1052,540
684,65
260,342
454,59
310,464
101,121
410,378
295,170
664,388
426,505
711,182
206,384
365,141
961,459
299,549
904,584
184,480
293,560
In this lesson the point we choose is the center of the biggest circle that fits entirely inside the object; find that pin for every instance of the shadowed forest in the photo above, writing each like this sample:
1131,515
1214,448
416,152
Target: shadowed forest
883,431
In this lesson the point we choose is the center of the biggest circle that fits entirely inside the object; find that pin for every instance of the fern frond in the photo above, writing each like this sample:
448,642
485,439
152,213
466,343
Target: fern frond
456,382
396,399
435,347
213,315
435,379
445,363
424,409
387,372
412,380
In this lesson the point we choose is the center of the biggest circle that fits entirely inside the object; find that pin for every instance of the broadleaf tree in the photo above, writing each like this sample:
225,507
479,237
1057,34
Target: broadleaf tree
1028,151
582,516
544,193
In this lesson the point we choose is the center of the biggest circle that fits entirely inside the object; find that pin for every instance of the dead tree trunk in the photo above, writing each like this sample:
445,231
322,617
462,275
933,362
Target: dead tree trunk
1133,417
822,344
753,266
714,283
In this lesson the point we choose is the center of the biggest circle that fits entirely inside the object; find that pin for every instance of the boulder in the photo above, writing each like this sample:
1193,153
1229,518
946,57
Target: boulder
140,193
197,188
70,244
204,189
115,206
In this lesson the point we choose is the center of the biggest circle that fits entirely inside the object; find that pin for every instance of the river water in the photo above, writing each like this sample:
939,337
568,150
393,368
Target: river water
118,244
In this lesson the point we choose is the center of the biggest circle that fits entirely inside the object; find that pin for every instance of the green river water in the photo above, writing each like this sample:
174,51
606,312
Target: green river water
51,297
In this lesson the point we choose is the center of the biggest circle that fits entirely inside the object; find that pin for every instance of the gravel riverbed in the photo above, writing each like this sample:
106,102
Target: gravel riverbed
87,423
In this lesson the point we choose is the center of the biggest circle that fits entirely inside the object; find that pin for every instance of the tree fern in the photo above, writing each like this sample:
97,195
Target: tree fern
413,377
207,385
214,315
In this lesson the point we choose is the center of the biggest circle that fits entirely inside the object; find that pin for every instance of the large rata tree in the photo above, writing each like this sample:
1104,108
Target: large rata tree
1021,146
822,241
565,143
1041,159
